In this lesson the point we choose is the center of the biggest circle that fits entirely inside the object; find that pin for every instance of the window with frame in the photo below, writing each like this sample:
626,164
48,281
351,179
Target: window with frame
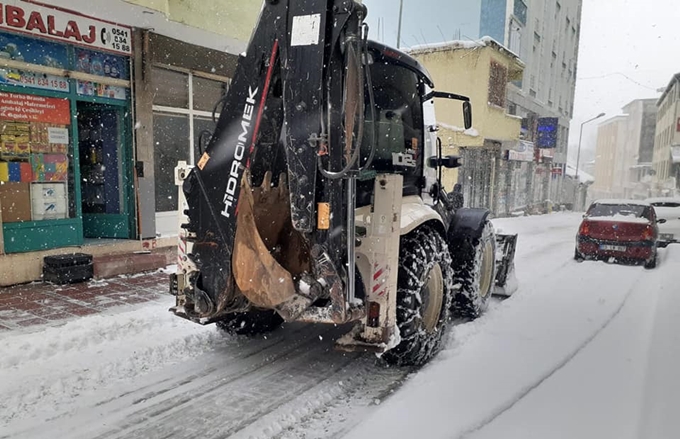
520,11
498,83
183,104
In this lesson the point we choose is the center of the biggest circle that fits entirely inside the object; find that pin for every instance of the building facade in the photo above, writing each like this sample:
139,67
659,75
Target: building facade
641,128
612,159
98,102
545,36
666,156
495,163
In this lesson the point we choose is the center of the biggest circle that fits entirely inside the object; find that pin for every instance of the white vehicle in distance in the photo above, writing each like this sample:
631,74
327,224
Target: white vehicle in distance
668,209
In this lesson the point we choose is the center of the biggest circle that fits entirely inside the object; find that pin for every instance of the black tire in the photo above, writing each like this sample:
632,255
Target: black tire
652,263
250,323
424,290
474,265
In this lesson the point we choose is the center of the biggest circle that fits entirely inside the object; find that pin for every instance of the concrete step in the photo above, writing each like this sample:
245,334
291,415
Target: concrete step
107,266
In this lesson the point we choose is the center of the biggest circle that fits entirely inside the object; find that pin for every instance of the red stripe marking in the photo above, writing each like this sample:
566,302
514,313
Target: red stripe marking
376,287
263,99
378,273
382,293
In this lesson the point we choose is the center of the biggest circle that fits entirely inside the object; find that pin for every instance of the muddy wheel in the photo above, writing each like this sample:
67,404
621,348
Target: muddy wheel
474,265
250,323
424,288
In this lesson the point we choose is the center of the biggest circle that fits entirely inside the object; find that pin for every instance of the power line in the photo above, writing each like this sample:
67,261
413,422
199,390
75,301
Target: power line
619,74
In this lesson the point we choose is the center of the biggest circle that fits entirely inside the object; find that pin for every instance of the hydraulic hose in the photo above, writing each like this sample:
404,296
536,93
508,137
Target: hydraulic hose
356,56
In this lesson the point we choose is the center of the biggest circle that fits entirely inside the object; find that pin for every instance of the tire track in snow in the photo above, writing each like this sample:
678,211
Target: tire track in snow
243,399
510,404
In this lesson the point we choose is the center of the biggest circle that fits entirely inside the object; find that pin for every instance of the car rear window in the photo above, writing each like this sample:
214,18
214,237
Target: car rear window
617,209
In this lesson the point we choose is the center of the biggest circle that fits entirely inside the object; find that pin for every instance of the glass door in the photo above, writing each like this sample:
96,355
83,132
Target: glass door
103,171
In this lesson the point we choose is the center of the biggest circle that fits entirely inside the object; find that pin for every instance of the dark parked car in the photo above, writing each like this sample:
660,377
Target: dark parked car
625,230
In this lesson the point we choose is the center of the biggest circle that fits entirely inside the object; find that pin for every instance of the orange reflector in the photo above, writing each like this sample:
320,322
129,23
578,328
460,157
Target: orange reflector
204,161
324,216
373,320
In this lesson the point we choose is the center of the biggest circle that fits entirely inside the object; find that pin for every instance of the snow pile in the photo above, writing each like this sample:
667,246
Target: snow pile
90,354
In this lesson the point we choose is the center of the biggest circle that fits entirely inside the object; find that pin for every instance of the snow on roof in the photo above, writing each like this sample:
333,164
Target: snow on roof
485,41
583,177
662,200
470,132
622,201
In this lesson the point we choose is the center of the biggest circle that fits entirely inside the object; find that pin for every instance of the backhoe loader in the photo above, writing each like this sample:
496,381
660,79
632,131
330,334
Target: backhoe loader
319,197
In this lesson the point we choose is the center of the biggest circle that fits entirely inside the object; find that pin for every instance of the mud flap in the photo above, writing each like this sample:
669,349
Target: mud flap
506,283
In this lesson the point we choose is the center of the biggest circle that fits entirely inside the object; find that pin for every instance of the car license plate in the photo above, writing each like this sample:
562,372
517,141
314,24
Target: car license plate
666,237
613,248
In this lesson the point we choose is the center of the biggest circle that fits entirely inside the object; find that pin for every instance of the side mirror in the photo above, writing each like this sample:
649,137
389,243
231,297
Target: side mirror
584,216
661,221
449,162
467,114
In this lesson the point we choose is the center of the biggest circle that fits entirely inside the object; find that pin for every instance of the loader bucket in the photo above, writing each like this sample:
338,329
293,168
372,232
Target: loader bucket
505,263
269,254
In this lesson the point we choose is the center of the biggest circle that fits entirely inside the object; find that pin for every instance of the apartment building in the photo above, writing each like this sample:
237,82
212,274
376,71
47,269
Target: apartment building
666,156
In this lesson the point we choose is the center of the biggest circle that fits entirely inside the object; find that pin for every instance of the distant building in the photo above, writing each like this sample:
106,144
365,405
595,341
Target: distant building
496,163
612,160
641,127
666,157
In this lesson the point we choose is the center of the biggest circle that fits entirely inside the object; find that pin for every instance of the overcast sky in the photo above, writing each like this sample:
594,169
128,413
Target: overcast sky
636,38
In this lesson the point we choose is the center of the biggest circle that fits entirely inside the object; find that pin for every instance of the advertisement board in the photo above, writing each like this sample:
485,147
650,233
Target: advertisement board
546,132
65,26
29,108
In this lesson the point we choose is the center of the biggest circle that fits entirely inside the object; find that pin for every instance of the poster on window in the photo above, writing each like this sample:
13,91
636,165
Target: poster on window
89,88
30,108
27,50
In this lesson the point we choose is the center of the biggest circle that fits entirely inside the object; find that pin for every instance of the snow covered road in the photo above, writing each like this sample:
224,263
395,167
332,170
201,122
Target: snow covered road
581,350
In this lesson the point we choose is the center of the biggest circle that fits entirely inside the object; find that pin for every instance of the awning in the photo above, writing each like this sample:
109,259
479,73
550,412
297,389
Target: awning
675,154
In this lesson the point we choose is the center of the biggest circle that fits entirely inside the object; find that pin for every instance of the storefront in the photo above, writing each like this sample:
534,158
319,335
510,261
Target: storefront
66,145
186,83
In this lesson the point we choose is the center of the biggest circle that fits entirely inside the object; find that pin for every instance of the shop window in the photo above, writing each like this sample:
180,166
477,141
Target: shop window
174,123
36,175
206,93
16,48
170,137
498,82
170,88
106,66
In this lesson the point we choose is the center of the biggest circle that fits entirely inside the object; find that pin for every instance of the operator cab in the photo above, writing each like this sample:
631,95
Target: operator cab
399,84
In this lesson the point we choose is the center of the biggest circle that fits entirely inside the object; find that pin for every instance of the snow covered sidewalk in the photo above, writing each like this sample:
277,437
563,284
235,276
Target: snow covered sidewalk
38,303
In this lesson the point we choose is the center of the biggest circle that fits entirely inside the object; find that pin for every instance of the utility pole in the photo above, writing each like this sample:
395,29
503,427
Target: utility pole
401,13
578,159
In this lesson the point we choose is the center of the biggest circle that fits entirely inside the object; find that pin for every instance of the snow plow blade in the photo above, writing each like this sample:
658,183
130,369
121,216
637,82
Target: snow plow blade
506,284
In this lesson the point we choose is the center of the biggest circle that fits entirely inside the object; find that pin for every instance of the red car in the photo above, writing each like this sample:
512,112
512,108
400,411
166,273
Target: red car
625,230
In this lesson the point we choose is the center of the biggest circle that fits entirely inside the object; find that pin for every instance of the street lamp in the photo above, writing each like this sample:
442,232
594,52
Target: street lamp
580,138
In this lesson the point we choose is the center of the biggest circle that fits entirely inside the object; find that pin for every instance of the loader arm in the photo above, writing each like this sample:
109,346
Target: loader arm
296,92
